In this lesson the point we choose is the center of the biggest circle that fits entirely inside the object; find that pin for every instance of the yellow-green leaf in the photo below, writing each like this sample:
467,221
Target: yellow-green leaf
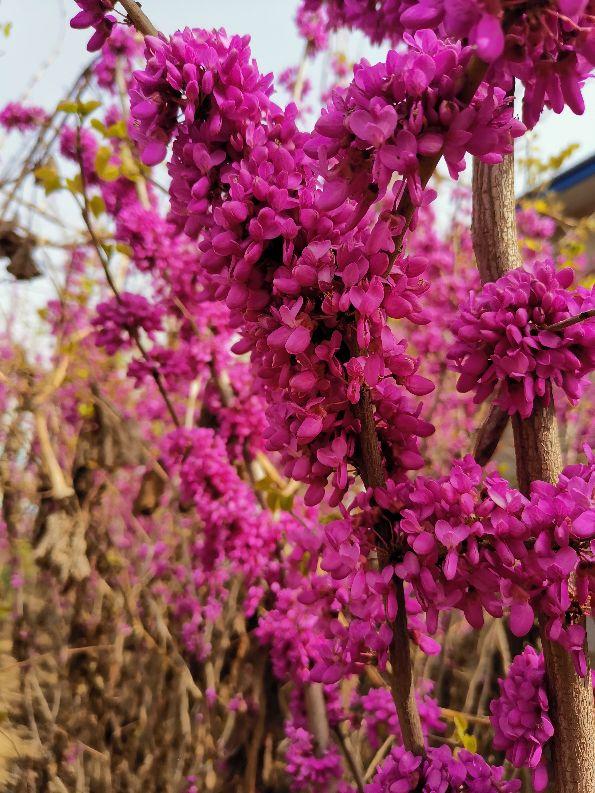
128,165
75,184
106,170
86,410
99,126
97,205
122,247
117,130
47,176
68,107
84,108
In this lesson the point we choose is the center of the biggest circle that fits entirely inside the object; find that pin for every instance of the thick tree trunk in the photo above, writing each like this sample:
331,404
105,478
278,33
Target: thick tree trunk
494,223
538,456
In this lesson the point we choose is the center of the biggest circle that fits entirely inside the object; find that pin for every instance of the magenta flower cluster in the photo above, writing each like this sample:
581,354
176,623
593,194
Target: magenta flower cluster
476,544
291,261
380,714
120,318
548,46
16,115
194,69
314,27
505,339
520,718
233,525
80,146
438,772
94,14
116,57
250,188
395,112
308,772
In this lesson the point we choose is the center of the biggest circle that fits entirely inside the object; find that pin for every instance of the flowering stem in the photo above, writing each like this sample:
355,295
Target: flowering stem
476,70
85,213
317,720
538,457
373,473
489,434
139,183
402,688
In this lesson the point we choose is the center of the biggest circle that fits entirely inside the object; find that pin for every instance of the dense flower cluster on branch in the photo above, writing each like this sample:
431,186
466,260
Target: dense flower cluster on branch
548,46
479,545
285,317
393,113
506,337
403,772
520,715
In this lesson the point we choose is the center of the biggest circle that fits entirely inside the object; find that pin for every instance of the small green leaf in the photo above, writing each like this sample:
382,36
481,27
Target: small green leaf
99,126
68,107
75,184
128,166
47,176
85,108
97,205
122,247
117,130
106,170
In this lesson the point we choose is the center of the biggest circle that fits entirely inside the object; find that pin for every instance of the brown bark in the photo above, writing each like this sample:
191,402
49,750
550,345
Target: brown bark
538,456
571,709
494,223
138,18
489,435
373,475
402,686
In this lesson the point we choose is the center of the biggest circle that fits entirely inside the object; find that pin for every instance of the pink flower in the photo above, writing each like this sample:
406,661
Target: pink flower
520,718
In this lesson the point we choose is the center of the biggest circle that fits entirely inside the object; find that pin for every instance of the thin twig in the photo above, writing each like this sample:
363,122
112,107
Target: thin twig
112,284
379,757
566,323
356,772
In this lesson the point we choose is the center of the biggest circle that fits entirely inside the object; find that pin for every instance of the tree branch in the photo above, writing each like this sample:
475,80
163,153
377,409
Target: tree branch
138,18
538,457
373,473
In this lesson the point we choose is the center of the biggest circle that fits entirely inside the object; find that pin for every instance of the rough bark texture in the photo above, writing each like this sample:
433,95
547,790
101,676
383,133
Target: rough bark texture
537,446
538,456
571,708
494,225
403,689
